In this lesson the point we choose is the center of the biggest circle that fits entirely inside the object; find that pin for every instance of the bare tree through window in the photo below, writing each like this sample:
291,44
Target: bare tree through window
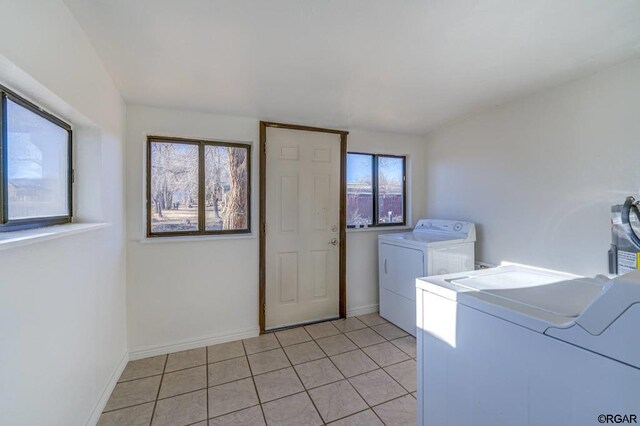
180,203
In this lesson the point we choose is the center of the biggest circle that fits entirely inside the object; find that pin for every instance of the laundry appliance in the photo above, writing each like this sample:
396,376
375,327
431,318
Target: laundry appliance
624,255
517,345
433,247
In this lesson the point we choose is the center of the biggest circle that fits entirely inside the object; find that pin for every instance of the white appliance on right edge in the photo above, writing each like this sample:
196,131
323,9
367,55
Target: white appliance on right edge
519,345
434,247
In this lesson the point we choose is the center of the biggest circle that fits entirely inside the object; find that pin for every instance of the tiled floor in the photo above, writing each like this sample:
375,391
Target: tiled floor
358,371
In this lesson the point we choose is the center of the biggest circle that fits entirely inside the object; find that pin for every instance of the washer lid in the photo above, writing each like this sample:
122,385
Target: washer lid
531,297
542,290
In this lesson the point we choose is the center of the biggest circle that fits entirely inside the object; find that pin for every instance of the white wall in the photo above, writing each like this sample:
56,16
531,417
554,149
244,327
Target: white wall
194,291
62,301
188,293
539,175
362,245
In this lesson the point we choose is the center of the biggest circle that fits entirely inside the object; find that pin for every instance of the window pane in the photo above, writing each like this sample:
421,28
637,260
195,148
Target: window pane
359,189
391,189
226,188
38,165
174,187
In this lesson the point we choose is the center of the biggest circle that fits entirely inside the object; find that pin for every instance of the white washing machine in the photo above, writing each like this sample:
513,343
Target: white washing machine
434,247
518,345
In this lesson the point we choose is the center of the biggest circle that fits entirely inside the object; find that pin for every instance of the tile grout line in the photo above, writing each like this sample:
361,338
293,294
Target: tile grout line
383,369
308,389
356,390
281,347
138,378
300,380
128,406
181,394
390,365
153,413
303,363
206,371
253,380
379,366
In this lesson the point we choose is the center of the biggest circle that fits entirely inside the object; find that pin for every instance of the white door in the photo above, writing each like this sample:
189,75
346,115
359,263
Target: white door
302,226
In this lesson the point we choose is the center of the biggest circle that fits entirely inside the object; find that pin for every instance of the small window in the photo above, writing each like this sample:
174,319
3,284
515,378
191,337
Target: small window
197,187
35,154
376,188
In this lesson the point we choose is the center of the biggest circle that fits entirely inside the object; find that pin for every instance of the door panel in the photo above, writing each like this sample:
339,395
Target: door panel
289,203
288,277
320,263
302,250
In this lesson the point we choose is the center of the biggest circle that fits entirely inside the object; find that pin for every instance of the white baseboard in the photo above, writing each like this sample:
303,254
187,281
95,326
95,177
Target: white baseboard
148,351
106,391
362,310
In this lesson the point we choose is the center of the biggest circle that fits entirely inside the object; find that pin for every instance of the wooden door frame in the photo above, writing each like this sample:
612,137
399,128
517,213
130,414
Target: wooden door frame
263,211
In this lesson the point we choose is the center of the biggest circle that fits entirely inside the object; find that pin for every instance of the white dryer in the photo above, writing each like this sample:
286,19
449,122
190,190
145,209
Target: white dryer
435,247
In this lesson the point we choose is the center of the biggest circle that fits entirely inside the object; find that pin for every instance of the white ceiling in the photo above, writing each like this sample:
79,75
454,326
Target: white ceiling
404,66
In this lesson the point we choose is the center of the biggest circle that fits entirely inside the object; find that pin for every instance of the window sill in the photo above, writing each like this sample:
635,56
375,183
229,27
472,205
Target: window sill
31,236
379,229
195,238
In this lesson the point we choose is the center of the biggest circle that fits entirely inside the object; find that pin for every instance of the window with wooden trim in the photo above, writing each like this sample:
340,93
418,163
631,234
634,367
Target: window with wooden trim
35,165
376,190
197,187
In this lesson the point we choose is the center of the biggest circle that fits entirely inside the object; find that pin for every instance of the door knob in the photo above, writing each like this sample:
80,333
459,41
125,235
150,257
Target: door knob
334,228
334,242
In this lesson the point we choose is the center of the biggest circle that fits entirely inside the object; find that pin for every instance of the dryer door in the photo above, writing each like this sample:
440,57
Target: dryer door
399,268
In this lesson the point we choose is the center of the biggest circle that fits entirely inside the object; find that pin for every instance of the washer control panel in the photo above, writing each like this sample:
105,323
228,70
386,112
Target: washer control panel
448,226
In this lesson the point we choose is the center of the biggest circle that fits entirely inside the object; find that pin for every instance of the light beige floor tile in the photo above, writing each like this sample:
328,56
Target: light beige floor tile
186,359
323,329
404,373
389,331
304,352
414,394
133,392
143,368
277,384
140,415
407,345
354,363
228,371
231,397
225,351
346,325
183,381
264,362
385,354
261,343
365,337
293,336
336,344
377,387
318,373
181,410
337,400
248,417
372,319
363,418
294,410
399,412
